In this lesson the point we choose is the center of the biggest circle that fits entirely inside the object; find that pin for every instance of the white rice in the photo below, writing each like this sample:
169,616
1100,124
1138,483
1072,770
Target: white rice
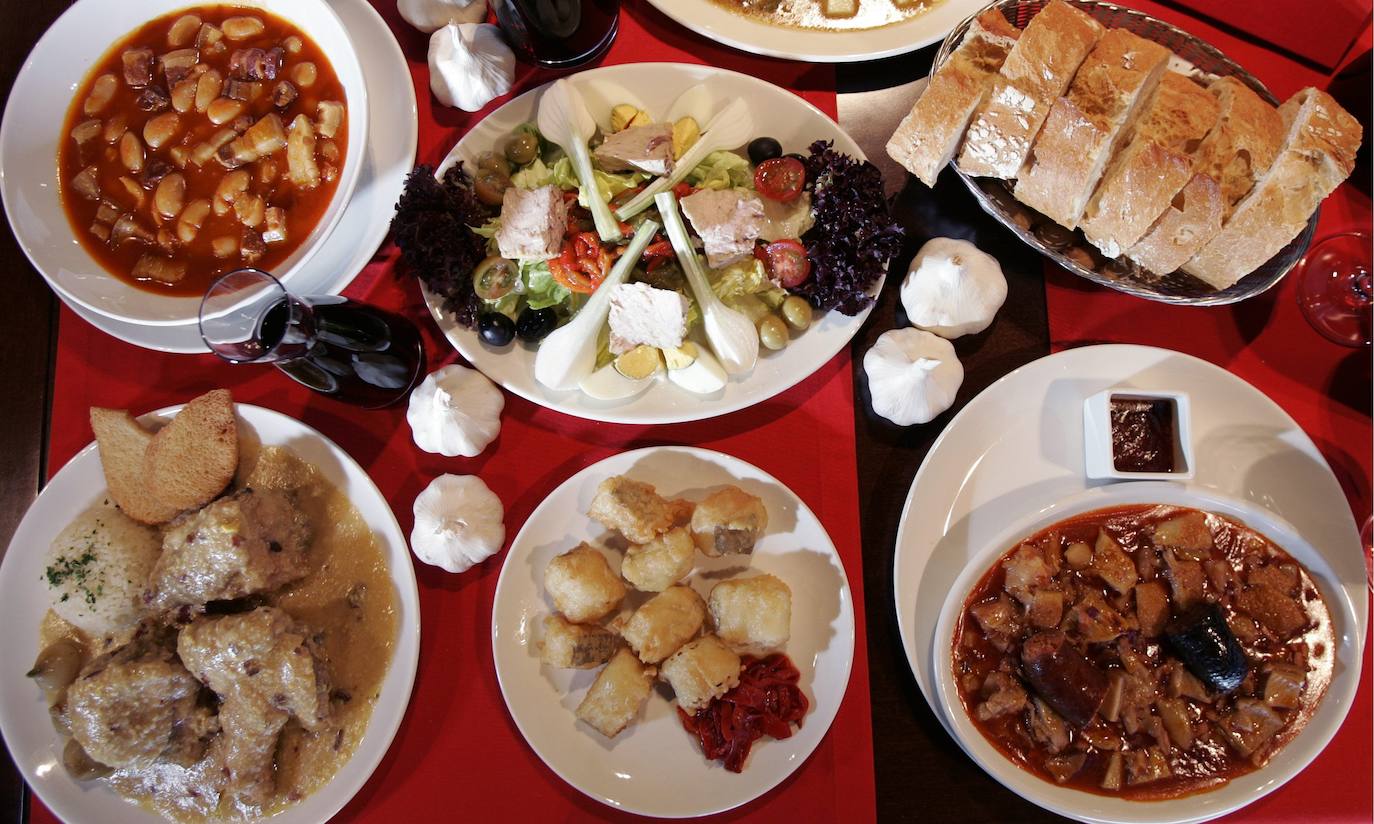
97,568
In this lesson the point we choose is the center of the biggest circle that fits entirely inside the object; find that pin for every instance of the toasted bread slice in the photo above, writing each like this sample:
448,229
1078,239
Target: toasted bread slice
1192,219
192,459
1247,138
123,442
929,135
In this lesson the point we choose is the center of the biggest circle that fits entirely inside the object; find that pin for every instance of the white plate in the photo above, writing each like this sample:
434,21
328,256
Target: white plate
655,767
707,18
655,86
32,128
392,132
1239,791
34,745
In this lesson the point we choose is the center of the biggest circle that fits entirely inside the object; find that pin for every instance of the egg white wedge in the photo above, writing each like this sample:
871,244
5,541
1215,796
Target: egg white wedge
607,384
703,376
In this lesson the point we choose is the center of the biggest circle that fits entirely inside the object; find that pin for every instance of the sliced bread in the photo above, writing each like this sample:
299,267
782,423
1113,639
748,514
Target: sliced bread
1318,154
1037,71
1192,218
1247,138
929,135
122,443
192,459
1155,165
1085,126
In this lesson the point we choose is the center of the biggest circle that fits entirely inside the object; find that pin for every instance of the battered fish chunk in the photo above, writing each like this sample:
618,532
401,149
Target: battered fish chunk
752,614
582,585
657,565
617,694
576,646
664,623
632,508
729,521
702,670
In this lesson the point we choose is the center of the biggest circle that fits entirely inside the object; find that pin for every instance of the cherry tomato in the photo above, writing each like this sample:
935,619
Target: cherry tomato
786,262
494,278
780,179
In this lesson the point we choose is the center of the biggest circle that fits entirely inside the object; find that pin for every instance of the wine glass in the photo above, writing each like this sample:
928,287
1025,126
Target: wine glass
558,34
350,351
1334,288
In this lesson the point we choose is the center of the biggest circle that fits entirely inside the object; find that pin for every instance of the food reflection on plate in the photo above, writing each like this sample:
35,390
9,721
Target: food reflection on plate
1145,652
833,15
209,139
221,621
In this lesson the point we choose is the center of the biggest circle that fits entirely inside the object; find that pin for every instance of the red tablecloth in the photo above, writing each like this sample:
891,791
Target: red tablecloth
458,755
1325,387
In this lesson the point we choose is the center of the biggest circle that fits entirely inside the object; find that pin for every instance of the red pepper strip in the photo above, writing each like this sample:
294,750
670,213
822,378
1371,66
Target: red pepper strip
766,701
656,253
583,263
683,190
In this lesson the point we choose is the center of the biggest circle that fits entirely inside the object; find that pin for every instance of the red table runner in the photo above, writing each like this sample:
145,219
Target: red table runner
458,755
1325,387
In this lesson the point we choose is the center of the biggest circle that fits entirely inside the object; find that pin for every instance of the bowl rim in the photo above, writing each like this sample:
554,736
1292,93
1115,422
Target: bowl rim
1085,806
349,174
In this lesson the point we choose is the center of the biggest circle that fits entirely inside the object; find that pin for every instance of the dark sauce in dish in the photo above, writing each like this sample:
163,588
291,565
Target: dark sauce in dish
1143,434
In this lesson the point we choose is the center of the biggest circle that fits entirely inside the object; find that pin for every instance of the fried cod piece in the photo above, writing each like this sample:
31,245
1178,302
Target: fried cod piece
582,585
702,670
617,694
576,646
752,614
729,521
632,508
664,623
657,565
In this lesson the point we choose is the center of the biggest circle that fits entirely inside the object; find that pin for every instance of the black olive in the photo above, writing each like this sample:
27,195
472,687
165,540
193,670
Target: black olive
1203,641
796,157
763,148
534,324
495,328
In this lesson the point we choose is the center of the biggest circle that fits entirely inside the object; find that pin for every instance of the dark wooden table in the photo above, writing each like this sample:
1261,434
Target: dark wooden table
914,757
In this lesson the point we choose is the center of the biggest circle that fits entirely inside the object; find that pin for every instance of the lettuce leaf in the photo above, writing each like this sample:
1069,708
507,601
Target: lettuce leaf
533,176
745,277
541,290
722,170
610,184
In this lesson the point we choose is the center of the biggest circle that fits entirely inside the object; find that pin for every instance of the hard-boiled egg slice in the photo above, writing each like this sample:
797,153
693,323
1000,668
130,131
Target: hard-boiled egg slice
703,376
607,384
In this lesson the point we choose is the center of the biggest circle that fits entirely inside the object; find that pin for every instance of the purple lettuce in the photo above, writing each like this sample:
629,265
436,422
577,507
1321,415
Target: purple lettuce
432,227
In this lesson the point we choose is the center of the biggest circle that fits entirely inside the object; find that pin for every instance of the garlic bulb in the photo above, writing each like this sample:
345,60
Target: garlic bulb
458,523
953,288
469,65
428,15
913,375
455,411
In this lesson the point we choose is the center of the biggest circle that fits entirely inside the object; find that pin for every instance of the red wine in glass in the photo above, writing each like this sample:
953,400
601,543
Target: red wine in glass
355,353
1335,290
558,34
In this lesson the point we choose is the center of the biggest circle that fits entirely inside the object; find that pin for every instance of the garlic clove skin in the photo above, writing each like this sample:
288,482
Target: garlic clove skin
459,522
455,412
469,65
953,288
913,375
429,15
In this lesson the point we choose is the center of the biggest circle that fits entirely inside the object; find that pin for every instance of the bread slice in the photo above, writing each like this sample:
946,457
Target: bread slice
1247,138
1143,178
1318,154
1085,126
1192,218
928,136
192,459
1037,71
122,443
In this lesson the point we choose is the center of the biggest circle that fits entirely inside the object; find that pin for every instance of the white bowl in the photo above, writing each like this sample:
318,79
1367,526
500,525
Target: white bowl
1240,791
32,128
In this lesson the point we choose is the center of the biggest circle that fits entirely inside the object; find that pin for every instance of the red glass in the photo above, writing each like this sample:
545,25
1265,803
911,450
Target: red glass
1334,288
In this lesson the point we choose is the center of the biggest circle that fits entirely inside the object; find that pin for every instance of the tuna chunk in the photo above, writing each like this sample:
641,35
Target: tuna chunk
533,222
728,221
646,148
641,314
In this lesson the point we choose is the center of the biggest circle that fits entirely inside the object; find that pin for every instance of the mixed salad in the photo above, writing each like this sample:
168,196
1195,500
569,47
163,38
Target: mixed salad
561,207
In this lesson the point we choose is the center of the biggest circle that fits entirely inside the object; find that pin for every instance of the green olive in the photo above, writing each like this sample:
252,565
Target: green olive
797,312
494,278
493,162
490,187
522,148
772,332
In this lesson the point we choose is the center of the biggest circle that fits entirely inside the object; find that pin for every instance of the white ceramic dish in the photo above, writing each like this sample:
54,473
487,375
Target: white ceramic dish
1020,444
655,767
1238,792
32,127
28,732
655,86
1098,459
709,19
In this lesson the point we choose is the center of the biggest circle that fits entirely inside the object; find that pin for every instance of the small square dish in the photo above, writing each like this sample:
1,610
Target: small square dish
1131,434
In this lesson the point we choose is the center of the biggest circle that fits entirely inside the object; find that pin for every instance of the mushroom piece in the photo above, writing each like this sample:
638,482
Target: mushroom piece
953,288
469,65
152,99
126,228
455,411
283,94
177,65
913,375
156,267
255,63
458,523
86,131
87,183
138,66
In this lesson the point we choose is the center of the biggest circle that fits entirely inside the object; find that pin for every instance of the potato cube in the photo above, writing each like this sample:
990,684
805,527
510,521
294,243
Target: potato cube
662,562
576,646
701,671
632,508
664,623
752,614
729,521
617,694
582,585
